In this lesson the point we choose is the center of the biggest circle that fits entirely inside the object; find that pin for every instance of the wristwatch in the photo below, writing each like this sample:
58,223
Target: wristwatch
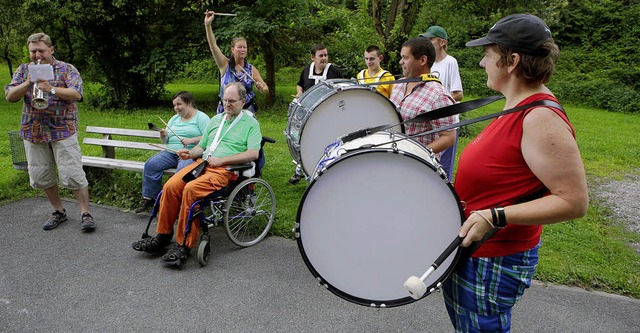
53,91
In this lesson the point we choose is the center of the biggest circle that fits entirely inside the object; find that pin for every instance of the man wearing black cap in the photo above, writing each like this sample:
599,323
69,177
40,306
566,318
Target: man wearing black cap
446,69
523,171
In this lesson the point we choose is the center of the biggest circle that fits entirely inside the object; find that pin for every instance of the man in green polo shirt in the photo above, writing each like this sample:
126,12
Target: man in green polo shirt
232,137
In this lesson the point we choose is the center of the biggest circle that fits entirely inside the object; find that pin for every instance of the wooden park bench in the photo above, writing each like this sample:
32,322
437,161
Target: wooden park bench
108,159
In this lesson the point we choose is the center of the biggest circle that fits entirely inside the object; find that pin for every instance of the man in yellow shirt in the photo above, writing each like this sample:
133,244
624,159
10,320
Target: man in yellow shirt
373,73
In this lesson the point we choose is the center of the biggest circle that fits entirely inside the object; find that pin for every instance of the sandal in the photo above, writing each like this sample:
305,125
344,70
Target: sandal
149,244
176,255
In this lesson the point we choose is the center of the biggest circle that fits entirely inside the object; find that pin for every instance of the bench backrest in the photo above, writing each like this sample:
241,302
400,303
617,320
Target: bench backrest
108,131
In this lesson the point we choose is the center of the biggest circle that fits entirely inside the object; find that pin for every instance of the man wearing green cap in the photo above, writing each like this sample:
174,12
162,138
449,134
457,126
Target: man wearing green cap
446,69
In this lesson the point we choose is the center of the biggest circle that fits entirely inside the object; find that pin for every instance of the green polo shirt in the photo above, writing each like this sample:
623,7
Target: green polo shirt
244,135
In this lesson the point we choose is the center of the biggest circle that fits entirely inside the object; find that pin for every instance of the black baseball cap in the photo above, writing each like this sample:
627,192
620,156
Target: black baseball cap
523,33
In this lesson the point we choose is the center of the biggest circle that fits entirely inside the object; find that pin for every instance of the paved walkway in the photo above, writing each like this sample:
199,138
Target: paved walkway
66,281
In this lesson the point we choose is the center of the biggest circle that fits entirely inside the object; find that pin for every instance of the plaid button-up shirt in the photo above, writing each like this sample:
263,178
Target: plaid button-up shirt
60,119
425,97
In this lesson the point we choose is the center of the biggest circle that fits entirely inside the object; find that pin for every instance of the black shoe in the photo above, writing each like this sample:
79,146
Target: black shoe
145,205
55,220
176,255
295,179
87,222
149,245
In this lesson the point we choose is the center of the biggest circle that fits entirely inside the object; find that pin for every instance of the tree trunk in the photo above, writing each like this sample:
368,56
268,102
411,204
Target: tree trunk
270,61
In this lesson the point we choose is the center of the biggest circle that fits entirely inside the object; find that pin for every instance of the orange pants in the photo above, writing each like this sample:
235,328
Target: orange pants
178,196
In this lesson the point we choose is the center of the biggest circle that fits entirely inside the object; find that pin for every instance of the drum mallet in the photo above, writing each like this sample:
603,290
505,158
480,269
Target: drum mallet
415,286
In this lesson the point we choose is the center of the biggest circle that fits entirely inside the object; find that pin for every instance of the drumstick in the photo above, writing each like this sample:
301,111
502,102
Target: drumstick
225,14
249,75
169,128
163,147
415,286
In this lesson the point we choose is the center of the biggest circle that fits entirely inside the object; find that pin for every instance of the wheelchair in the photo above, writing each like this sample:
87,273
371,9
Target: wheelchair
245,207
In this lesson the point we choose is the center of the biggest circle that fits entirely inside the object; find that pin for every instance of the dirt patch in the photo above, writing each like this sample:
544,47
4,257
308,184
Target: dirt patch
623,198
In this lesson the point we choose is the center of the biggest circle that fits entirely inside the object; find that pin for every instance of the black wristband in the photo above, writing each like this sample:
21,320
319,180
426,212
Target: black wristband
502,219
494,216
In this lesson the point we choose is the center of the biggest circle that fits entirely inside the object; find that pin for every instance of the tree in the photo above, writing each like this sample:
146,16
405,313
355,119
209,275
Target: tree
393,21
12,39
131,47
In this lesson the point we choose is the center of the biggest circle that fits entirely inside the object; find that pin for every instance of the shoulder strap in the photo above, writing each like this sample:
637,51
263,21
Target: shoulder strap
544,102
451,110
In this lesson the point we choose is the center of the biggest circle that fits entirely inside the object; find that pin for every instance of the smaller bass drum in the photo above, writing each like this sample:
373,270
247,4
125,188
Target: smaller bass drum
329,110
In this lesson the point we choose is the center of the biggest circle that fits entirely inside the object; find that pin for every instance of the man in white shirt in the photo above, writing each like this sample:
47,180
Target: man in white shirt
446,69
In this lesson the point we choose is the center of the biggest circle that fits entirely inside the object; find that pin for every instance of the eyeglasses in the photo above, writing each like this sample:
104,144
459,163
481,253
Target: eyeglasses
230,101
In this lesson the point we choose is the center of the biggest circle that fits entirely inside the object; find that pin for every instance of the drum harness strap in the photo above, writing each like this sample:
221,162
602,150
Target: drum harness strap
447,111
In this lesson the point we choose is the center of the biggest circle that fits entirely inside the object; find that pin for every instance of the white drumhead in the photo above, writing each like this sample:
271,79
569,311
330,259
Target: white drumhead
341,113
374,218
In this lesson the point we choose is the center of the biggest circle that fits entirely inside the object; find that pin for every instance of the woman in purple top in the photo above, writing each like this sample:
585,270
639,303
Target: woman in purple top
235,68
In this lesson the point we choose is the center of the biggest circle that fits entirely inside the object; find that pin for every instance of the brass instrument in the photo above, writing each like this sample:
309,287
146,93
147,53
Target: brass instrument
38,100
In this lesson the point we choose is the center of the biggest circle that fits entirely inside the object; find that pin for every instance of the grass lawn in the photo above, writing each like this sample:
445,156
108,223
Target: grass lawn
594,252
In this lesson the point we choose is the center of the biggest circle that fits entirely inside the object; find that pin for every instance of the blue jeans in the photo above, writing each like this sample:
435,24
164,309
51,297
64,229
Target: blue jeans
448,158
154,169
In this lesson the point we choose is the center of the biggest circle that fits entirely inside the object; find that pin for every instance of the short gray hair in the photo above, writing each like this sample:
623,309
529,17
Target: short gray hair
241,90
40,37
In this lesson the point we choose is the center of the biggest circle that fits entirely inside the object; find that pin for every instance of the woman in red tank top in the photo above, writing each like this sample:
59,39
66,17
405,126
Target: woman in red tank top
521,172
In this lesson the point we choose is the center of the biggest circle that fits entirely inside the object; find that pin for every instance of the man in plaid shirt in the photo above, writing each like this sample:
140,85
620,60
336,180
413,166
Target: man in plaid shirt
414,98
50,135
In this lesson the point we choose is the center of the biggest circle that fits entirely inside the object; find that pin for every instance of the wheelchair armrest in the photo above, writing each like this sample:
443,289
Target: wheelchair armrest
268,139
239,167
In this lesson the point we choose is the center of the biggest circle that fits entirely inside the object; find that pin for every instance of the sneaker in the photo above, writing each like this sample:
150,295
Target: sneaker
295,179
150,245
55,219
176,255
145,205
87,222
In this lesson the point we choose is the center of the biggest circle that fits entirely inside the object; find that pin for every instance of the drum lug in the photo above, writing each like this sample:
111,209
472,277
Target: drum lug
437,288
326,286
296,227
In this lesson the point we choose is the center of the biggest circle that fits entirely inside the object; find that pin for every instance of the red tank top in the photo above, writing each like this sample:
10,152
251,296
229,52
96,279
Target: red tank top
492,172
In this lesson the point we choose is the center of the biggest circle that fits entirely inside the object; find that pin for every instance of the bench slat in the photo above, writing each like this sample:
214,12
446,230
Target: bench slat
120,144
112,163
123,131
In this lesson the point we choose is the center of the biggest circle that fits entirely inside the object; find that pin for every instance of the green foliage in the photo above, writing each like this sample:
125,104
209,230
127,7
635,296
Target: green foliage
599,64
133,48
199,70
347,36
130,47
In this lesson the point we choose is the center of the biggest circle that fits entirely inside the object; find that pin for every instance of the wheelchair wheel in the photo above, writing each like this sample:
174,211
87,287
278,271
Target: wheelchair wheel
249,212
204,250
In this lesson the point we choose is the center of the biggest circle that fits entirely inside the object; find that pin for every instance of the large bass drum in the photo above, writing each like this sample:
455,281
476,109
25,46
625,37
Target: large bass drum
329,110
371,217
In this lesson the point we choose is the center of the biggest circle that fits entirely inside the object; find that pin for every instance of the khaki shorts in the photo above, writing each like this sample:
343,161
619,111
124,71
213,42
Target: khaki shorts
44,157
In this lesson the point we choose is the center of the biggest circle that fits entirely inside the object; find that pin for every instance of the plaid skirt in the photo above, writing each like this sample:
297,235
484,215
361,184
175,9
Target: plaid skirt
480,293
